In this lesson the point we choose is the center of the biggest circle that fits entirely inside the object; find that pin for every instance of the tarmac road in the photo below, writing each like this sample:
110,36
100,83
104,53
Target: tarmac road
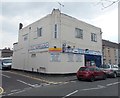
29,84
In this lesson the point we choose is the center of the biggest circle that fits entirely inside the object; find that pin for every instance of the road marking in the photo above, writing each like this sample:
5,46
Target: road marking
38,79
70,94
6,76
26,83
110,84
90,89
73,81
1,90
100,86
14,90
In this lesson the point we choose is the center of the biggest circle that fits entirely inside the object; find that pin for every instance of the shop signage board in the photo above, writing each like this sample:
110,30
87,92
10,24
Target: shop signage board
38,47
81,51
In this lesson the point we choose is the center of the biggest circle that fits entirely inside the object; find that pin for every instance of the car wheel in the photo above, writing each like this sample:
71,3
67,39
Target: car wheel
92,78
114,75
78,78
104,76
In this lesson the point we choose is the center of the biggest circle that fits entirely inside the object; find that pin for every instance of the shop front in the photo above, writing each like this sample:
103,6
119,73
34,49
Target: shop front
93,60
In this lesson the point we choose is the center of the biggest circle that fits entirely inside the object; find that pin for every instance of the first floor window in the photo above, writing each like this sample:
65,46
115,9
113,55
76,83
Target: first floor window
55,32
78,33
93,37
39,32
25,37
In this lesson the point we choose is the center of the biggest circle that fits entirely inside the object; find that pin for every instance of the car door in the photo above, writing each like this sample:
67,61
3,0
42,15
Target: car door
98,73
116,69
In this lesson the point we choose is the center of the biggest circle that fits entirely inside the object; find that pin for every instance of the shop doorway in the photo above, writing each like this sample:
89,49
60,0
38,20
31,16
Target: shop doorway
92,60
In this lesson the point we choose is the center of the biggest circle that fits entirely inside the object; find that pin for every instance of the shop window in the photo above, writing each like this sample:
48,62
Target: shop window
55,57
78,58
70,57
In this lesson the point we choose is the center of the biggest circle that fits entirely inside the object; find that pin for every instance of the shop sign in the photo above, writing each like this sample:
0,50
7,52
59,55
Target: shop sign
92,52
55,49
75,51
81,51
39,46
78,51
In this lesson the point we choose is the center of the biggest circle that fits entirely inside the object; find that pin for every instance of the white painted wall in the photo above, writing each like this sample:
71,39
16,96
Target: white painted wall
65,66
65,29
68,25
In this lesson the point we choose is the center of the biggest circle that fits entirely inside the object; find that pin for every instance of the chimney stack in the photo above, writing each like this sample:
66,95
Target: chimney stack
20,26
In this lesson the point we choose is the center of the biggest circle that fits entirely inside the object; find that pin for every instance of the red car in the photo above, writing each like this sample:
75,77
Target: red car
91,73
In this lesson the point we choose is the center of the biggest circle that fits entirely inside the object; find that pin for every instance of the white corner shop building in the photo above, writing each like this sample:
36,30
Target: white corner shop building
57,44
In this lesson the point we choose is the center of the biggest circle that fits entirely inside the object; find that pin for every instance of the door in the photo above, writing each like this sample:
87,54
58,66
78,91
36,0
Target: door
98,73
89,59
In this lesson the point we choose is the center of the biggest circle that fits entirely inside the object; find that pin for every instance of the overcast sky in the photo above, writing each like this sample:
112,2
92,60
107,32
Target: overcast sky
12,13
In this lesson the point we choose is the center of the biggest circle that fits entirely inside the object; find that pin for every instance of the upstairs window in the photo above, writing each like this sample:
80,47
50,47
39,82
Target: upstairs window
39,32
93,37
55,32
78,33
25,37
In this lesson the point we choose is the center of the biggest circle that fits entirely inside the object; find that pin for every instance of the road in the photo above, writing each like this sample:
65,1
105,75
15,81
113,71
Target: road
29,84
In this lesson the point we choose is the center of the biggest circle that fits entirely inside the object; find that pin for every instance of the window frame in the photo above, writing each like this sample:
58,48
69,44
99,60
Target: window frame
55,31
79,33
39,31
93,37
25,37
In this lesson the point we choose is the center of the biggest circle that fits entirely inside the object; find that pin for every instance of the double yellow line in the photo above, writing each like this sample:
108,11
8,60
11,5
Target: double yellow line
1,90
38,79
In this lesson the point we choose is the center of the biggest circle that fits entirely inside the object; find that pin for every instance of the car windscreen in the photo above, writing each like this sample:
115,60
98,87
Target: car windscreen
105,66
83,69
7,61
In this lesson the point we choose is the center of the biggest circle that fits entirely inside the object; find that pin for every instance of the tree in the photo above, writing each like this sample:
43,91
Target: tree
107,3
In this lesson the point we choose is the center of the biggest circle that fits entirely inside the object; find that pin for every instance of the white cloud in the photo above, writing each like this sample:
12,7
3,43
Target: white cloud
27,13
8,40
109,24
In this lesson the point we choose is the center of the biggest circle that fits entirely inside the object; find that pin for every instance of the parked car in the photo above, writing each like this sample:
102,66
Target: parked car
5,63
90,73
111,70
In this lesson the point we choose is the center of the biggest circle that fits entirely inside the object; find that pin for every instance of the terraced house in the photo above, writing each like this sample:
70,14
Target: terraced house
57,44
110,52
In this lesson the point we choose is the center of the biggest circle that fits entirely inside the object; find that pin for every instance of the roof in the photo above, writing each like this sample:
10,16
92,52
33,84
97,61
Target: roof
57,10
109,44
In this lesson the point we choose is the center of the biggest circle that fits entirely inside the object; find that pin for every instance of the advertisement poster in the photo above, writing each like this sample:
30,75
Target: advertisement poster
70,57
55,57
78,57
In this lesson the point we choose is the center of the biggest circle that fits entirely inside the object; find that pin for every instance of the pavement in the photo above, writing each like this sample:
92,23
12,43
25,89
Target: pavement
48,77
